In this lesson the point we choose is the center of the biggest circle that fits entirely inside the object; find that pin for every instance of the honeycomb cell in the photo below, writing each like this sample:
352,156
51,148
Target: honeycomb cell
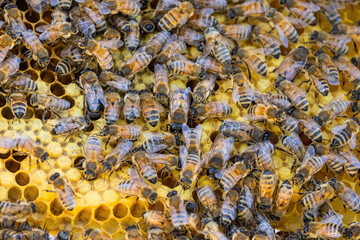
47,76
19,157
14,194
34,65
31,193
102,213
120,210
158,206
2,101
32,16
53,62
55,207
39,114
137,209
41,211
6,113
46,16
22,178
57,89
5,155
83,217
65,79
22,5
29,26
170,182
111,226
12,166
64,223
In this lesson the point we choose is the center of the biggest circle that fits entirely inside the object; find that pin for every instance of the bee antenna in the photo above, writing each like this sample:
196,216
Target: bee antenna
96,124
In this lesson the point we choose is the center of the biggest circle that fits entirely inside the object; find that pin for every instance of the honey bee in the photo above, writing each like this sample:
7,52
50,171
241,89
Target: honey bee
91,164
162,161
269,42
172,47
102,55
64,192
327,66
177,16
215,109
84,23
208,199
194,222
47,102
217,5
288,124
315,199
352,231
336,161
212,231
333,109
235,31
150,108
203,89
243,132
267,185
73,52
231,176
302,10
156,142
248,8
130,8
179,107
6,44
345,133
38,51
133,233
238,233
330,227
112,111
296,95
202,19
96,11
94,234
317,79
292,64
14,18
156,43
242,91
293,145
182,66
265,231
10,234
50,33
245,215
136,62
16,211
149,21
190,36
218,45
132,37
18,105
64,235
120,23
116,81
350,198
155,233
260,153
144,166
178,214
219,154
352,164
282,200
41,5
265,112
335,43
131,132
213,66
161,84
65,5
252,61
132,106
228,208
331,13
65,66
137,187
113,160
155,218
70,124
9,67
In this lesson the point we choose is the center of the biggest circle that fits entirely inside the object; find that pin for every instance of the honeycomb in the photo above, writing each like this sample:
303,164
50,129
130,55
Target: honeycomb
98,204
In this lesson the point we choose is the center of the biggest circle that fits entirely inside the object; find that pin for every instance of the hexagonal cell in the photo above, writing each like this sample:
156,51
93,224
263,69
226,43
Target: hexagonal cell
65,79
83,217
137,210
102,213
120,210
158,206
56,208
29,113
34,75
19,157
34,65
170,182
32,16
46,16
23,66
22,5
53,62
31,193
57,89
22,178
2,101
6,113
5,155
14,194
111,226
12,166
41,211
29,26
47,76
64,223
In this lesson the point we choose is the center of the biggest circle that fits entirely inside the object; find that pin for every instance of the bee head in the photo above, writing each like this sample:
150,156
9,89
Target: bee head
200,48
354,61
212,171
89,175
105,131
304,49
192,207
282,1
54,176
33,207
44,157
106,166
83,42
314,35
10,6
318,52
231,13
63,235
202,74
176,128
172,193
347,233
318,120
266,135
299,179
128,228
43,62
274,218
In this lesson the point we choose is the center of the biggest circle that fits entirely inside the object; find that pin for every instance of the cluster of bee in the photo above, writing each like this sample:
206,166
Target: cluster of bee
239,195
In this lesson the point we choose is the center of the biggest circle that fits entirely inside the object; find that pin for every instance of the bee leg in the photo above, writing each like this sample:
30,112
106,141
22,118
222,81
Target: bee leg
49,191
71,132
43,116
355,46
52,110
107,141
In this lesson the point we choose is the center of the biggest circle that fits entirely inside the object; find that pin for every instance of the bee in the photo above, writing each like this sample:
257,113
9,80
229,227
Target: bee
352,231
352,164
120,23
112,111
84,23
330,227
48,102
282,200
218,45
292,64
132,106
202,19
245,215
345,133
65,66
180,65
179,107
288,124
109,79
155,218
150,108
190,156
9,67
64,192
190,36
70,124
331,13
73,52
155,233
91,165
10,234
194,222
264,227
327,66
178,214
130,8
133,233
161,84
94,234
267,185
177,16
203,89
173,46
208,199
336,161
65,5
238,233
64,235
131,132
212,231
38,51
228,208
116,157
50,33
270,98
102,55
16,211
132,37
335,43
317,79
242,91
231,176
248,8
268,41
265,112
296,95
136,62
350,198
260,153
313,200
215,109
41,5
164,161
144,166
96,11
219,154
217,5
333,109
14,18
243,132
6,44
156,142
137,187
286,30
293,145
18,105
156,43
213,66
235,31
149,21
302,10
252,61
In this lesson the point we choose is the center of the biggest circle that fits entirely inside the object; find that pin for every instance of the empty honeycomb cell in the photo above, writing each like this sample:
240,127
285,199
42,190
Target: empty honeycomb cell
47,76
14,194
120,210
102,213
57,89
65,79
32,16
6,113
19,157
137,209
31,193
46,16
110,226
39,114
158,206
22,5
58,50
170,182
34,65
56,208
2,100
83,217
22,178
12,166
5,156
29,26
